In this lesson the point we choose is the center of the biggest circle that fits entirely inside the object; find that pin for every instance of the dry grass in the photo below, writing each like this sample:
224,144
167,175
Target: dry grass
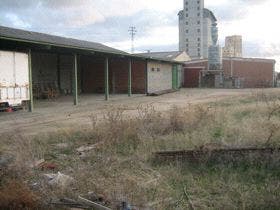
120,168
16,195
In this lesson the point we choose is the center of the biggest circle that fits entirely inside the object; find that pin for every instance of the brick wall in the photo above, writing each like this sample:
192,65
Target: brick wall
44,69
202,63
118,70
255,73
191,73
159,76
90,73
93,75
138,75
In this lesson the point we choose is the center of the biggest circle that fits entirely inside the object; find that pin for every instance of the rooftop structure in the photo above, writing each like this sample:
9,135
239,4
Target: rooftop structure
180,56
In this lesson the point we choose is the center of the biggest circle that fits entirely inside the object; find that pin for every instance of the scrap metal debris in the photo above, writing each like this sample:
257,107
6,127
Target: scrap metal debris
86,148
59,179
83,203
162,92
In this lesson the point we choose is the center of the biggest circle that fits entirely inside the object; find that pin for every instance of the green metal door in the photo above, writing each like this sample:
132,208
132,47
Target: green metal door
174,77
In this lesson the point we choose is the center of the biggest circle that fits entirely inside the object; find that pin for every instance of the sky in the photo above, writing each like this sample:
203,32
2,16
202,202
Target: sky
107,22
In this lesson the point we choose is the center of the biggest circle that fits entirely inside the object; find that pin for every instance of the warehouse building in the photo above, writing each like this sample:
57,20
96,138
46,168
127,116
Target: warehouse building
63,66
237,73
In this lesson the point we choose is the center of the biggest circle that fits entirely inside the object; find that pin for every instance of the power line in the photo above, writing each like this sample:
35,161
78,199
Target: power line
132,31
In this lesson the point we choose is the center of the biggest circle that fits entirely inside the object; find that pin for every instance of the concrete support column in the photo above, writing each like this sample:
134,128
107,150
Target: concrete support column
106,73
31,102
58,73
199,79
75,80
221,80
273,76
129,78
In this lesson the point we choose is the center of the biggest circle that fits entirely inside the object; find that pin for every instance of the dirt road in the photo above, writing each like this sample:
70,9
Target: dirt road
50,116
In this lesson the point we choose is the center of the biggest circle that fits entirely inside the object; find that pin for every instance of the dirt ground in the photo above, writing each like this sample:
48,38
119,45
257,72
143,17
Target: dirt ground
50,116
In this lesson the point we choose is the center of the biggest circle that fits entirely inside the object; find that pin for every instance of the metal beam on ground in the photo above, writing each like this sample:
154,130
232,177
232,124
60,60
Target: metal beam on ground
106,73
129,78
31,102
75,80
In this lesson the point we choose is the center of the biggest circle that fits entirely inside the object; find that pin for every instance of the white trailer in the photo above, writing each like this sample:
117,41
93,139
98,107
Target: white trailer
14,78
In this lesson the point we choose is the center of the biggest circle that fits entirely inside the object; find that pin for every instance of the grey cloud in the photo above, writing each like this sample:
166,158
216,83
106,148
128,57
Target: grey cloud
57,4
116,28
229,13
253,49
50,16
253,1
18,4
22,4
236,9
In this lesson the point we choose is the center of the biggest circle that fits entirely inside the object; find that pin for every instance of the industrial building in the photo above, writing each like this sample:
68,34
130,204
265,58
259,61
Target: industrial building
237,73
233,46
63,66
195,29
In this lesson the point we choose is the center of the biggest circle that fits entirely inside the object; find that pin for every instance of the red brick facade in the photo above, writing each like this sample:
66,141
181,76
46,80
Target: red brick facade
253,72
139,76
92,74
92,69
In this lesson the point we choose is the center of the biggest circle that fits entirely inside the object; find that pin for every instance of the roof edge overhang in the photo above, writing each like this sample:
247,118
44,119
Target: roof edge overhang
60,45
87,49
250,59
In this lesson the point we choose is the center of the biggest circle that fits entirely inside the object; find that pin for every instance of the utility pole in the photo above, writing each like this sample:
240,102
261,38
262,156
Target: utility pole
132,31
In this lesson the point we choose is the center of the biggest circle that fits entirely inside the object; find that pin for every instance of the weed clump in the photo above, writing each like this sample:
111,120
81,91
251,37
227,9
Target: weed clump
14,194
